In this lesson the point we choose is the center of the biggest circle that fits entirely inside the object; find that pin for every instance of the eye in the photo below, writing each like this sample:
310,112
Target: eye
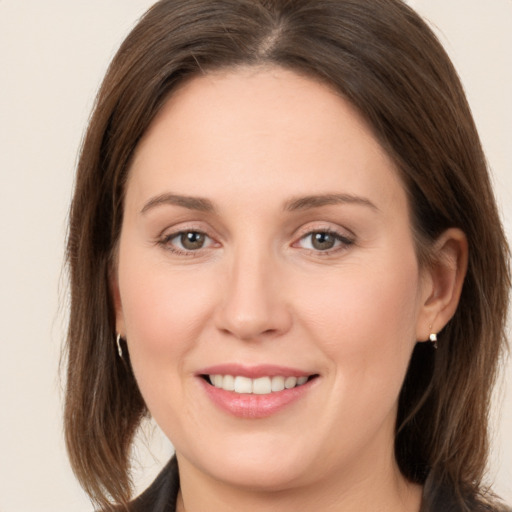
187,241
324,241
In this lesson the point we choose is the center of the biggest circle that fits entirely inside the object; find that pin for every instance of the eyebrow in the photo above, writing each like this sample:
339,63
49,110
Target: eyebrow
189,202
301,203
316,201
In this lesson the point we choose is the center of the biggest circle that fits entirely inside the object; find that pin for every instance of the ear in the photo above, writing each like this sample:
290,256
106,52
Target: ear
116,300
442,282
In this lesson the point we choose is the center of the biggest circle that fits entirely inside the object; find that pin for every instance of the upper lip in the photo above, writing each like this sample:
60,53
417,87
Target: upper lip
254,371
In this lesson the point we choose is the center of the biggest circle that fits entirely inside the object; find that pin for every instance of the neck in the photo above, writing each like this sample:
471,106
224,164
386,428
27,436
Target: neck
381,488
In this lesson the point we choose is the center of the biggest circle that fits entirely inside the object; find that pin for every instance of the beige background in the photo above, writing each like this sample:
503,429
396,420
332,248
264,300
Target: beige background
53,54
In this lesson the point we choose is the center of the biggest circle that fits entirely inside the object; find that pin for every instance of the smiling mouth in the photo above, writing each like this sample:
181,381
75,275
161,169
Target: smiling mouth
259,386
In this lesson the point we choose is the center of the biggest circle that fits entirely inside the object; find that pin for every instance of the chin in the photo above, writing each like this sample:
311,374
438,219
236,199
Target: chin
268,477
256,468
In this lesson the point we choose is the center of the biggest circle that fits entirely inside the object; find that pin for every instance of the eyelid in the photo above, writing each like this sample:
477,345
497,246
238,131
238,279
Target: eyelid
325,227
345,236
168,234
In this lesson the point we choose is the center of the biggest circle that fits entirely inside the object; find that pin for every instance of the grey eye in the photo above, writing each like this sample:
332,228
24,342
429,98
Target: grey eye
324,241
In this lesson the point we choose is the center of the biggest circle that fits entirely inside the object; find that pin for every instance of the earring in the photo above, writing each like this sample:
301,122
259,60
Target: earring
433,339
119,349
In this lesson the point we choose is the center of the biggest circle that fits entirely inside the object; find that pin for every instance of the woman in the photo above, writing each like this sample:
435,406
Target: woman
284,247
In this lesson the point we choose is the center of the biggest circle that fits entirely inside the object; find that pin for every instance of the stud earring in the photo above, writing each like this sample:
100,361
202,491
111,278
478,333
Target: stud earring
119,348
433,339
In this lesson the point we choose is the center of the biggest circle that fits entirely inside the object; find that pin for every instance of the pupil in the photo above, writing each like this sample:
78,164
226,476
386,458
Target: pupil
323,241
192,240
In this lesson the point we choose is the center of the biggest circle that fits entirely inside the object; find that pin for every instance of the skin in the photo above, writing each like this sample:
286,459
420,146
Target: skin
252,141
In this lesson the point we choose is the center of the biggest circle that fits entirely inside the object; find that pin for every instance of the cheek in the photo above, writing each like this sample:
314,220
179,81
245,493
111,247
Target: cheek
161,307
366,323
164,311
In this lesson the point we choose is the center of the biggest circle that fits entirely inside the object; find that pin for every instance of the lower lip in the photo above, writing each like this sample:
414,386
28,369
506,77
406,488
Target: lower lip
252,406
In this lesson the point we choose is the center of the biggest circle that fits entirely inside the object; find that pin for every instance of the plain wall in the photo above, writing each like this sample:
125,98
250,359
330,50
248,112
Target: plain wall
53,54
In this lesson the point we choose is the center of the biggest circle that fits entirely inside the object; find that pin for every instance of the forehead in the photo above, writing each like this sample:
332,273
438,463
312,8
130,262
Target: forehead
261,126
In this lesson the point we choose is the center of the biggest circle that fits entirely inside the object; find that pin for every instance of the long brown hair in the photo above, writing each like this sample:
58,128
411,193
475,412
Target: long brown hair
385,60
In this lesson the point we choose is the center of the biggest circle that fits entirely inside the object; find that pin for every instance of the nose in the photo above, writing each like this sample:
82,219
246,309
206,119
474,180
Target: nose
253,304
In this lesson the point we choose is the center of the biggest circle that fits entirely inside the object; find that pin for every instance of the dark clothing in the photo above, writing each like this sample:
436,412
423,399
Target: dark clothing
161,496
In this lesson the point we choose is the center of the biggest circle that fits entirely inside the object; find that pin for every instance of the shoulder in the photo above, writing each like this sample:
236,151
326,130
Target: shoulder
161,495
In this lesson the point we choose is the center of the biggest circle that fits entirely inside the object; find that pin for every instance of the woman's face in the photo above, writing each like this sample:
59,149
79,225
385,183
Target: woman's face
266,241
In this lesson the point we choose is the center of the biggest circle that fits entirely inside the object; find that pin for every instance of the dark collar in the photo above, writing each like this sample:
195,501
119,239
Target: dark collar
161,496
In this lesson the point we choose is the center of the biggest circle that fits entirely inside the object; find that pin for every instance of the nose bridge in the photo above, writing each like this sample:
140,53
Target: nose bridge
253,304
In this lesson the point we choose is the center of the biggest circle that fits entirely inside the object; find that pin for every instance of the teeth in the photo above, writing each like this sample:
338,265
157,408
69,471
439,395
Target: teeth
290,382
277,383
227,383
260,386
242,385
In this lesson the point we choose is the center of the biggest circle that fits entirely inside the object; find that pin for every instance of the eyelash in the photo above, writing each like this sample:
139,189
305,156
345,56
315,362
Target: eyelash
165,242
342,242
